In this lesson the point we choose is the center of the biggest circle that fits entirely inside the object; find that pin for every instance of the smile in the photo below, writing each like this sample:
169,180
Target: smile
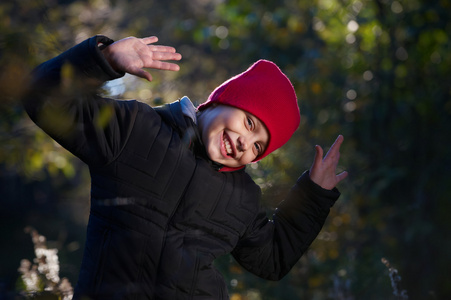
227,145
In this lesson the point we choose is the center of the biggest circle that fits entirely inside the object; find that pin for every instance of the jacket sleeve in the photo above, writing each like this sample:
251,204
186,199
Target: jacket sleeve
62,99
270,248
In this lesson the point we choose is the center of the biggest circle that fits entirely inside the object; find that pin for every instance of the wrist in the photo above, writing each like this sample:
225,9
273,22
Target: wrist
105,50
103,56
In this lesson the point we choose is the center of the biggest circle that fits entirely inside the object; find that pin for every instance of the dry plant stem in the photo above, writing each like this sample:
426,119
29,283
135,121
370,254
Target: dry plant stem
395,279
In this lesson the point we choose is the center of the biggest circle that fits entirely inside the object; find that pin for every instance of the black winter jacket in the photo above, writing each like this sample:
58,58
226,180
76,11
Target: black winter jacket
160,211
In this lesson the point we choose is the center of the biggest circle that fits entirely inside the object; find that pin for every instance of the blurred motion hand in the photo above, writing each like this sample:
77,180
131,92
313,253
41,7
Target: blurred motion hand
323,171
133,54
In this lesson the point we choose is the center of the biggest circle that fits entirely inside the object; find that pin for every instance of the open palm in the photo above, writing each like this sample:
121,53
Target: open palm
132,55
323,170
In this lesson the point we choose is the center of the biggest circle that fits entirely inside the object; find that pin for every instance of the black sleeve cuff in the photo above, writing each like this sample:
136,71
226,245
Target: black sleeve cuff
100,42
307,197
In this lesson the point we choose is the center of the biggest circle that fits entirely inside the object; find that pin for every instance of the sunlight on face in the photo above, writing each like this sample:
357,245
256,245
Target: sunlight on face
232,137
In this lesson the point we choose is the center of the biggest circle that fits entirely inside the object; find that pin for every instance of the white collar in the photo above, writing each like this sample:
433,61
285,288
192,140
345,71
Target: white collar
188,108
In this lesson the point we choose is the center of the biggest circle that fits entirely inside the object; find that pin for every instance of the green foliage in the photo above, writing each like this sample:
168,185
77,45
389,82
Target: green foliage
375,71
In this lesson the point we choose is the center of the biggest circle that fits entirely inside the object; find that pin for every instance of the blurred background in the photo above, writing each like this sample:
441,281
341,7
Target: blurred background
378,72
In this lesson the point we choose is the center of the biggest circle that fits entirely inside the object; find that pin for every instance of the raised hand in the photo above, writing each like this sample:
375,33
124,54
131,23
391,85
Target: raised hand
132,54
323,171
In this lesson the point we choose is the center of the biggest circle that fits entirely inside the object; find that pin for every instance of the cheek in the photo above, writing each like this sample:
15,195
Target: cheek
211,143
248,157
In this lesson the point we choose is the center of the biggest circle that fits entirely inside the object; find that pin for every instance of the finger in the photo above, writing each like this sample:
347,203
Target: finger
337,142
141,73
163,66
342,176
166,56
149,40
160,48
318,155
335,148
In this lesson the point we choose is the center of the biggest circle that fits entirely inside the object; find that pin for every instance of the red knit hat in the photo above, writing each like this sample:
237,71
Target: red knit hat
264,91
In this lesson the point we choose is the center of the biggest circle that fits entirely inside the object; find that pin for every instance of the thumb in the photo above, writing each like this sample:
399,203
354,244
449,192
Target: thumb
141,73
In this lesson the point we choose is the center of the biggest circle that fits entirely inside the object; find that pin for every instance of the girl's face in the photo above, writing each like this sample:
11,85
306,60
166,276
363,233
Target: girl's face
232,137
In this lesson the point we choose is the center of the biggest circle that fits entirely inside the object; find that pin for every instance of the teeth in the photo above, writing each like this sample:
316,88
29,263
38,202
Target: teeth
228,146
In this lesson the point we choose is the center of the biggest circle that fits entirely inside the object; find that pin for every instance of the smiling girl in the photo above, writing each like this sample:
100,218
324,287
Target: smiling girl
169,190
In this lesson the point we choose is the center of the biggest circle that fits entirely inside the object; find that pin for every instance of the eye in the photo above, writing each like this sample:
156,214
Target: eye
258,148
250,123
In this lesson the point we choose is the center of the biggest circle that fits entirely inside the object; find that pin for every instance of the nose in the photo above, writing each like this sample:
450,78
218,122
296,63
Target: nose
242,144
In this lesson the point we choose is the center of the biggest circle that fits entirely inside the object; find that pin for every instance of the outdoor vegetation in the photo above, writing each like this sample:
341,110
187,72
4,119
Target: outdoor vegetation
376,71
